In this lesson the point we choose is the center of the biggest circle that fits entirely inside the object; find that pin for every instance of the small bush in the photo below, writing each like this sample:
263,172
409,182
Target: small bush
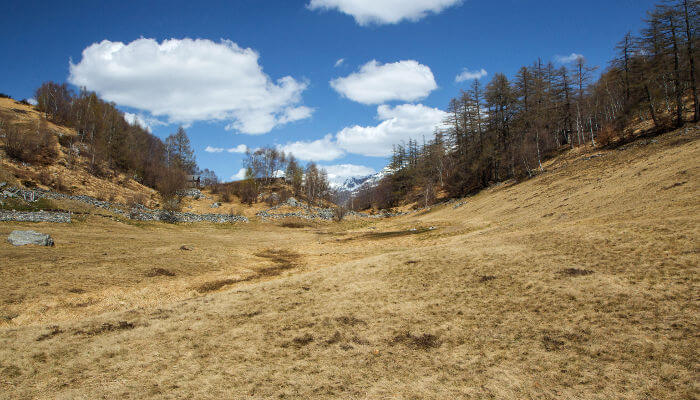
168,216
607,136
45,177
136,200
339,213
225,196
170,182
58,185
172,204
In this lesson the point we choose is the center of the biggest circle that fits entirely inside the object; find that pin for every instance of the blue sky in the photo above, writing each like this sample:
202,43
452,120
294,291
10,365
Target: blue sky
400,61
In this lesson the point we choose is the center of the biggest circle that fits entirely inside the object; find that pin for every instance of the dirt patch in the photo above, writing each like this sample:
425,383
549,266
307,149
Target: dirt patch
11,371
388,234
677,184
337,337
552,344
349,321
303,340
216,285
283,259
295,225
106,328
53,331
159,272
425,341
575,272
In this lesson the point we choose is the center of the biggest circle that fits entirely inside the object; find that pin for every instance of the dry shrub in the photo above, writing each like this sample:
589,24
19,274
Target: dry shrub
248,191
225,196
170,182
172,204
58,185
45,177
136,200
284,195
339,213
607,136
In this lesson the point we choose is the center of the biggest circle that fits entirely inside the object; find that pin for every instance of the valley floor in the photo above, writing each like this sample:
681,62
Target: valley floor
579,283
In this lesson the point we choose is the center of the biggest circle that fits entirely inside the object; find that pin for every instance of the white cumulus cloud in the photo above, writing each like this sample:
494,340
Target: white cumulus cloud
240,175
241,148
568,59
467,75
210,149
398,124
367,12
324,149
189,80
377,83
340,62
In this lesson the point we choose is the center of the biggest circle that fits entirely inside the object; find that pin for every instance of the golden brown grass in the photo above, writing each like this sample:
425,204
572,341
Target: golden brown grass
581,283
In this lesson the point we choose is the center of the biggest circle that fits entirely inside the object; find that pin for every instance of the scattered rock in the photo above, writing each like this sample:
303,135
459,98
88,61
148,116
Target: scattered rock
186,248
216,205
21,238
195,193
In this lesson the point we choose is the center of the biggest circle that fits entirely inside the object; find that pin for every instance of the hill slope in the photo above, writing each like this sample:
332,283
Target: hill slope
579,283
68,173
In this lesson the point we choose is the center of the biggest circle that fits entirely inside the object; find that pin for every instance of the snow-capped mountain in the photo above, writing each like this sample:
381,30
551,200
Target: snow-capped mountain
353,184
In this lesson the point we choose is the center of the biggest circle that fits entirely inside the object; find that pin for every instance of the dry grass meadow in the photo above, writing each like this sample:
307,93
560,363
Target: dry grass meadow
581,283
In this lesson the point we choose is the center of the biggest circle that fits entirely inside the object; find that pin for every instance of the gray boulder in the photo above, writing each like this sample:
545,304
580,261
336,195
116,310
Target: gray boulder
216,205
21,238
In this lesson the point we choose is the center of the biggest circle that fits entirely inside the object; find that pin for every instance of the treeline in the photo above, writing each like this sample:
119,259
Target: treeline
507,128
109,142
267,165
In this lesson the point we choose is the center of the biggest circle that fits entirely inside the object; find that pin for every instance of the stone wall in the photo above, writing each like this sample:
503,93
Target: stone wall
139,212
35,216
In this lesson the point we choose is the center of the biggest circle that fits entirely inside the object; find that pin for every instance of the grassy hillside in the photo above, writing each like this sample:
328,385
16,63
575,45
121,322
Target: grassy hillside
69,173
579,283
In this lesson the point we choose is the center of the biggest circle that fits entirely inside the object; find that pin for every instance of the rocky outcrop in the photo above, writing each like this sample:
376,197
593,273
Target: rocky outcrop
21,238
194,193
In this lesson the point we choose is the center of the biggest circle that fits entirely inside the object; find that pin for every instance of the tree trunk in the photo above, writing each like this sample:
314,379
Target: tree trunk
691,61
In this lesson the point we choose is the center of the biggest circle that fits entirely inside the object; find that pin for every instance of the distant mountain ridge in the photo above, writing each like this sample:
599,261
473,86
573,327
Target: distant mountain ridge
353,184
